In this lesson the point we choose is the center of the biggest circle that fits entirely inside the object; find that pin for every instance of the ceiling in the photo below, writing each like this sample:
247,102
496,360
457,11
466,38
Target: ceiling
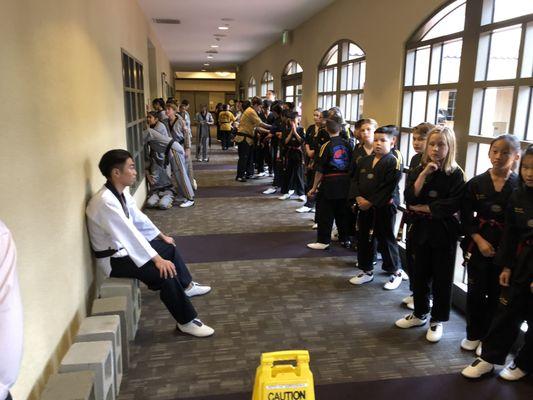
253,26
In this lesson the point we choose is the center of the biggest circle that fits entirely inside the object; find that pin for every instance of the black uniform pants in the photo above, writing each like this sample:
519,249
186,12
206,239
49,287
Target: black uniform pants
327,211
259,158
245,159
309,180
293,176
482,296
277,165
171,290
267,156
381,222
433,274
225,137
505,328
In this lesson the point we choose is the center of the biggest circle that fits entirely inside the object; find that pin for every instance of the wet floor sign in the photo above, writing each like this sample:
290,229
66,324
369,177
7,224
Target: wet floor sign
284,375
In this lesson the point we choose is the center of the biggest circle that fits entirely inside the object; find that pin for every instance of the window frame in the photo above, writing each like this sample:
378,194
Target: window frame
267,82
252,87
294,80
134,113
338,66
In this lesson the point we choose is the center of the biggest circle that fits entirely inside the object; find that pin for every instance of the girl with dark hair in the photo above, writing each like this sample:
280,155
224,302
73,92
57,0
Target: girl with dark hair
482,214
515,255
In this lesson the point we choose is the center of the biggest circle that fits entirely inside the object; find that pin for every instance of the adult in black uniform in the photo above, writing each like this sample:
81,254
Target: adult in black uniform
332,175
515,255
482,214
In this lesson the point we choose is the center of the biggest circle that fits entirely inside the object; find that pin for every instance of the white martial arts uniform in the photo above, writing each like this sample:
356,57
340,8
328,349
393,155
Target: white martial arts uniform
11,328
111,229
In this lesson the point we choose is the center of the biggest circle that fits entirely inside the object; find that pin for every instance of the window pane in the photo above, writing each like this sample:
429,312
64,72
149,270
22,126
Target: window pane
321,81
362,77
354,113
527,59
451,61
350,51
346,76
452,23
496,113
422,65
406,109
405,145
504,48
507,9
419,108
289,90
331,57
477,159
409,67
361,104
523,127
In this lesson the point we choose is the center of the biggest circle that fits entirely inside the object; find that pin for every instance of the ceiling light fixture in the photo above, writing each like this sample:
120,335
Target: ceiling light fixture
209,56
214,46
223,28
206,64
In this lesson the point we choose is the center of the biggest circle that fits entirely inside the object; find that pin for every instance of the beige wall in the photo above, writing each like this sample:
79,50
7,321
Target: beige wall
62,107
211,85
380,28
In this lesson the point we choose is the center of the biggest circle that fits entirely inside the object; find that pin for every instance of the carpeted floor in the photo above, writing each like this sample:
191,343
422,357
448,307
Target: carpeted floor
270,293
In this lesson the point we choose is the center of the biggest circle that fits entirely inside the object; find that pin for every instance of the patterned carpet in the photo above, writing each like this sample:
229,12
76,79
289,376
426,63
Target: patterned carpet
266,302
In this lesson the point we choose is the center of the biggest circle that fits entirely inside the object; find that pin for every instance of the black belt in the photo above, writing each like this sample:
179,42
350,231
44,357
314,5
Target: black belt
167,151
105,253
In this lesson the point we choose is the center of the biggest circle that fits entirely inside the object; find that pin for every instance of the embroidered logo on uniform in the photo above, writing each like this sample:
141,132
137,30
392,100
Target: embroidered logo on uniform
530,223
480,196
363,170
518,210
340,159
496,208
433,193
370,176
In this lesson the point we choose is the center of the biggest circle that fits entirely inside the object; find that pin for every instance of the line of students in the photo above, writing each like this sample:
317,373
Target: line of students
357,188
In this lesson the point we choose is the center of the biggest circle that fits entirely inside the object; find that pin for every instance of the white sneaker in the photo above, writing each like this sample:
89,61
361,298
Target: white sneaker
512,373
318,246
270,175
302,198
405,277
469,345
303,209
270,190
291,192
394,282
408,299
411,305
315,226
410,321
187,203
335,235
194,184
479,349
477,369
362,278
284,196
196,328
434,333
197,290
260,175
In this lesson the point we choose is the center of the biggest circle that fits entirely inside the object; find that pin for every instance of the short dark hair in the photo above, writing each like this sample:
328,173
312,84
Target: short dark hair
423,129
246,104
276,107
225,107
359,124
333,126
257,101
389,130
154,114
292,115
113,159
267,104
185,102
527,152
272,91
159,101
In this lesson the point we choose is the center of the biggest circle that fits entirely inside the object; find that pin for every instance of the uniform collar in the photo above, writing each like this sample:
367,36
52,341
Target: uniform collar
120,197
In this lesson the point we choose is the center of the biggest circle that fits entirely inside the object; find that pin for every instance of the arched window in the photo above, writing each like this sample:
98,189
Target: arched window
477,80
431,76
252,87
341,79
292,83
267,83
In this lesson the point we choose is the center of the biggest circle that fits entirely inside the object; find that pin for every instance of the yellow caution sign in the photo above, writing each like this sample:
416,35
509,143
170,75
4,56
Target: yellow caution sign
284,375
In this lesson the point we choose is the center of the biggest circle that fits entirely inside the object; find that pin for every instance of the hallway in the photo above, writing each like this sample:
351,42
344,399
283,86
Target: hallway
272,293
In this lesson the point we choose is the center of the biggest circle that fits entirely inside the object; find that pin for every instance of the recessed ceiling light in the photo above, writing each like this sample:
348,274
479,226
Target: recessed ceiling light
206,64
223,28
214,46
209,56
203,70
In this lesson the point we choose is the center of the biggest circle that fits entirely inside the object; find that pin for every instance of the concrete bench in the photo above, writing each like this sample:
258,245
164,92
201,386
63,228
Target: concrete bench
112,287
96,357
104,327
70,386
116,306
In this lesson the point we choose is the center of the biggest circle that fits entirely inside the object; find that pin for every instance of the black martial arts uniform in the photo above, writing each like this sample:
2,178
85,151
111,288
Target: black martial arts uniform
516,253
434,238
310,138
334,160
379,185
276,149
483,212
293,167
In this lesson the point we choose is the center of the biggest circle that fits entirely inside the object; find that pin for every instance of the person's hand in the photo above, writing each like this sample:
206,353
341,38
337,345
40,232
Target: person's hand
363,203
485,248
531,287
168,239
311,192
166,268
150,178
421,208
187,152
430,168
505,277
